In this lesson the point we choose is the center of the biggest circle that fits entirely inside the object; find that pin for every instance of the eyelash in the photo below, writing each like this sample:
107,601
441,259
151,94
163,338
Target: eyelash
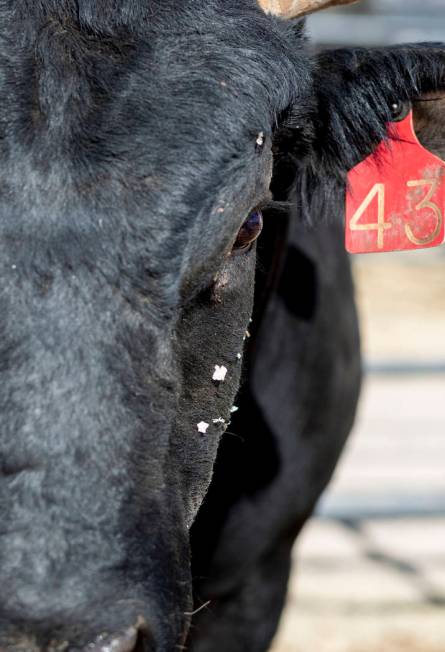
272,205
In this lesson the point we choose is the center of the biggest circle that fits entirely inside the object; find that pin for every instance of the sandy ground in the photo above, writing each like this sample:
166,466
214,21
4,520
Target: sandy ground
371,567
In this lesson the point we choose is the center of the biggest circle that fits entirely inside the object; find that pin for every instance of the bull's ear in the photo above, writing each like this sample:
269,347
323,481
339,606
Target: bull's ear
357,90
296,8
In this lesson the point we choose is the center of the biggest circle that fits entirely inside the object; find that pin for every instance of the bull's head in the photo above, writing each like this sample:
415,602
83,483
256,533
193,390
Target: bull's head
136,146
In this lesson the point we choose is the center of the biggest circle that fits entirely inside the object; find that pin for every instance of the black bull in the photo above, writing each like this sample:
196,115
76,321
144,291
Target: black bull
136,140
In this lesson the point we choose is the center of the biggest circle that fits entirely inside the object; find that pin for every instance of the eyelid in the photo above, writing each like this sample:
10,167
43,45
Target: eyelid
249,232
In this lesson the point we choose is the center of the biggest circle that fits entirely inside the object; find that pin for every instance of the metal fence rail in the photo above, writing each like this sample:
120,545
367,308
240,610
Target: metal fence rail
380,22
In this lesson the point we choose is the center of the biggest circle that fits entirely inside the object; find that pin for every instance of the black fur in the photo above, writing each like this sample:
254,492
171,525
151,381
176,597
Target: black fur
355,89
125,129
128,163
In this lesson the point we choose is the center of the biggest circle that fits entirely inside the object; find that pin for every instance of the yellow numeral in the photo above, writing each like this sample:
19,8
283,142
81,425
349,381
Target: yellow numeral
380,226
425,203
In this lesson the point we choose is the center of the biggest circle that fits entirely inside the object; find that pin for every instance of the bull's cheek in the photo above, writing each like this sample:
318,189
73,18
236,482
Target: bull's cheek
203,446
212,337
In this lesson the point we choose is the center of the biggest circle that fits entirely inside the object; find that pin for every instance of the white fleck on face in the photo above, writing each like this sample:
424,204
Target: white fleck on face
203,427
260,139
220,373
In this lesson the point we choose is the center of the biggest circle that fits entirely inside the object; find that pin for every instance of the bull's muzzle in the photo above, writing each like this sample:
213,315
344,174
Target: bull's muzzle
135,639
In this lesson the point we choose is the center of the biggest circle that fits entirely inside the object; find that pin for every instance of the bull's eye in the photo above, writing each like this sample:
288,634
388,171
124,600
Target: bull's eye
249,232
399,110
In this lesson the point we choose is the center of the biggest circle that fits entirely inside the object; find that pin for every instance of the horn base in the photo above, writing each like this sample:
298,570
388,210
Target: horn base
296,8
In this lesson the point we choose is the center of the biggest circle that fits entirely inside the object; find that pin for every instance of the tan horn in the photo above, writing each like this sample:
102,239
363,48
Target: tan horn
296,8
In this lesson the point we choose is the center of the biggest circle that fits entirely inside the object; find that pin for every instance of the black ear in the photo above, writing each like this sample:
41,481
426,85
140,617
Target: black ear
357,92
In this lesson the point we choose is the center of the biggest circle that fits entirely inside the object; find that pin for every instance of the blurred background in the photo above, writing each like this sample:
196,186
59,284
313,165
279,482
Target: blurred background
370,568
380,22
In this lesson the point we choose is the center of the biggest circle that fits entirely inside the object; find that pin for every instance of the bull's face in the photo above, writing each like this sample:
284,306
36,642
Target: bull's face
133,172
134,169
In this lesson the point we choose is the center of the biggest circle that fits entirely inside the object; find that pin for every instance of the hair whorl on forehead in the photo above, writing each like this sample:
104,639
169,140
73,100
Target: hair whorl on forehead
296,8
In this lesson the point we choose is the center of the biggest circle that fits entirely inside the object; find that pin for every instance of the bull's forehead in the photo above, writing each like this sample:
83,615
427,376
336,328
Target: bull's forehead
141,128
217,80
188,88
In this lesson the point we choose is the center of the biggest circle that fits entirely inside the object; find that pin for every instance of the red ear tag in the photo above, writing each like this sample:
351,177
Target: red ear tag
396,197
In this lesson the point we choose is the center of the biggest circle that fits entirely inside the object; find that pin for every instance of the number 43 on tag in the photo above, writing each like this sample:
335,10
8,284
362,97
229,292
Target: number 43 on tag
396,197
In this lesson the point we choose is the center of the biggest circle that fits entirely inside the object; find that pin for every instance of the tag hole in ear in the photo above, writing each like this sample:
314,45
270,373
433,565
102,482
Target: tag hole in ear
399,110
